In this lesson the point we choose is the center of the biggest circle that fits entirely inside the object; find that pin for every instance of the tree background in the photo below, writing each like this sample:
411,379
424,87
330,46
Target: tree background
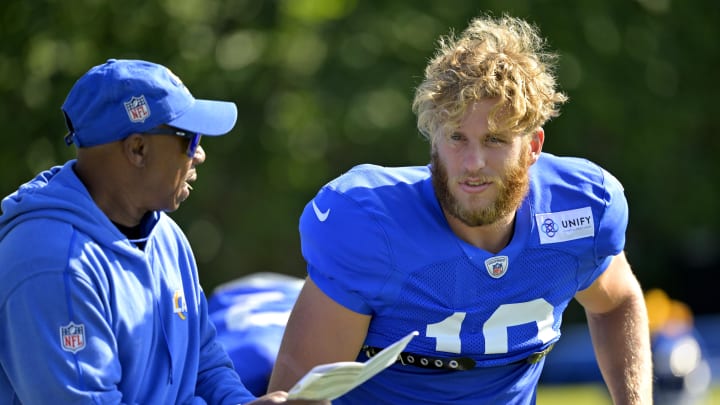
322,85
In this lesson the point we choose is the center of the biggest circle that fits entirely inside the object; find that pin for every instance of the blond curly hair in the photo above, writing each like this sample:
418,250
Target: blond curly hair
503,58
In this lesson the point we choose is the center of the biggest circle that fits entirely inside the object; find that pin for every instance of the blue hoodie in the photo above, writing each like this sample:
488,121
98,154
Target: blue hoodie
86,317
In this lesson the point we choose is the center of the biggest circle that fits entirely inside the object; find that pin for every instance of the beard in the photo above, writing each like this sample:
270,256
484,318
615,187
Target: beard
512,187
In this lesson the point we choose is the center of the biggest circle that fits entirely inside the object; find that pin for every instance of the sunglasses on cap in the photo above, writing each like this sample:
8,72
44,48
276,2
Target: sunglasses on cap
193,137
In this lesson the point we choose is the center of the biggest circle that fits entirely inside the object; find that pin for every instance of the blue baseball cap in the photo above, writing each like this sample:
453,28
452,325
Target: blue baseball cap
122,96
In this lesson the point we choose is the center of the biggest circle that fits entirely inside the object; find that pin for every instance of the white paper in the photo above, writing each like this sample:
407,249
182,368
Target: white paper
332,380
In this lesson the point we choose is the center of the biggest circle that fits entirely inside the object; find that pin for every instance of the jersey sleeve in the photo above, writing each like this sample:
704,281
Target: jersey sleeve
345,247
611,227
613,223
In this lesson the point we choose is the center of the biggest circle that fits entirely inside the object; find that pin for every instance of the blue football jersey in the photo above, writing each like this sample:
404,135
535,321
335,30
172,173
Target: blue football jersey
250,314
376,241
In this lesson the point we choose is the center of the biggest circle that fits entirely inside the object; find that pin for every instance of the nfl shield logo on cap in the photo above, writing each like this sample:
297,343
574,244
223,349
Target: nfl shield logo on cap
137,109
72,337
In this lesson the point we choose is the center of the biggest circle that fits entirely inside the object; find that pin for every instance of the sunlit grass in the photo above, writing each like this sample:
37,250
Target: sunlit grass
590,394
593,394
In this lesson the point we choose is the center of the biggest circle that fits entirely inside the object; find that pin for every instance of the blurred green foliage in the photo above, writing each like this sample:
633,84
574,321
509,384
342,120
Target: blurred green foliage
323,85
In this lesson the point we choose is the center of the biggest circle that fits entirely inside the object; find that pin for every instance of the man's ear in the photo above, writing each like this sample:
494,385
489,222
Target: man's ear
537,138
135,148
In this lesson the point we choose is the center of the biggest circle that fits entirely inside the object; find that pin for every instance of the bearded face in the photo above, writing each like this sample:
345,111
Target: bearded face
510,186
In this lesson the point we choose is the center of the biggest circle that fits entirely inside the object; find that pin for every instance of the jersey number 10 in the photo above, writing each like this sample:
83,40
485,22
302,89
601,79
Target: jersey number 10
495,329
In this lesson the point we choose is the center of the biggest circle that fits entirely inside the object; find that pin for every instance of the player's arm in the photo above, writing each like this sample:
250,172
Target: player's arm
318,331
618,322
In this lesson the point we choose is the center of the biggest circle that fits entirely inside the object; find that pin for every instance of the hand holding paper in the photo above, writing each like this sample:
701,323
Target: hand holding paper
332,380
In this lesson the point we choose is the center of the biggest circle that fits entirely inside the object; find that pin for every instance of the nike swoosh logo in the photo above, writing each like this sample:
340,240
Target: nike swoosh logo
322,216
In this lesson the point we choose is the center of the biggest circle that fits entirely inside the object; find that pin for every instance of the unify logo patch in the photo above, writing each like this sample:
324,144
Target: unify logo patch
72,337
563,226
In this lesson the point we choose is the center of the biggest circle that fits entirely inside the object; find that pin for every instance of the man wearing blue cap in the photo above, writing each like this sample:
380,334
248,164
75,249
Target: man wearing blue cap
100,300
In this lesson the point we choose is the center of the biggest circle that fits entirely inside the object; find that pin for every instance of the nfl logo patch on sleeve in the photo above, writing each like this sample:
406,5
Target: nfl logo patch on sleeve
72,337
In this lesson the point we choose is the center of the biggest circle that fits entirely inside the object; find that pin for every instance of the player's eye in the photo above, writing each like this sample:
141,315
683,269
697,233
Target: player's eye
492,139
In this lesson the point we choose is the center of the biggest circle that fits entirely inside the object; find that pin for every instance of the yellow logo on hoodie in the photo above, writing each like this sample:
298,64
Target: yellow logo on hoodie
179,304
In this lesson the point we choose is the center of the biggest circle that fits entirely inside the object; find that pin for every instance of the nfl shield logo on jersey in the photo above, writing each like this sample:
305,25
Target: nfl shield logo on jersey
497,266
72,337
137,109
